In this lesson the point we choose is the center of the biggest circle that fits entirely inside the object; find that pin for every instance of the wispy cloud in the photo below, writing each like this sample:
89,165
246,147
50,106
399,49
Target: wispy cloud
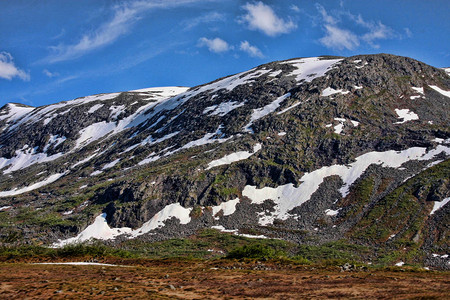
295,8
207,18
8,69
216,45
262,17
377,31
408,32
124,17
250,50
50,74
338,37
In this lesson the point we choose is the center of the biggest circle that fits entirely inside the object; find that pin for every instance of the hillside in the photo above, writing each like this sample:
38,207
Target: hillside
310,150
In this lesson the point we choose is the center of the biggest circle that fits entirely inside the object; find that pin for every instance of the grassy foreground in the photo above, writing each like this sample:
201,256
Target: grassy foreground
211,265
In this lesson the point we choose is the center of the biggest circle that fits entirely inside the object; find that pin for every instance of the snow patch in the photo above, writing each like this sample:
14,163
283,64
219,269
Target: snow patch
78,263
287,197
311,68
15,112
5,207
32,187
111,164
233,157
95,173
440,91
330,91
354,123
223,108
330,212
97,230
406,115
94,108
26,157
289,108
264,111
281,133
418,90
439,204
228,207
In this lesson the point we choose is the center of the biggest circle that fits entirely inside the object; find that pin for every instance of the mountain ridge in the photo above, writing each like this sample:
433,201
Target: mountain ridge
312,145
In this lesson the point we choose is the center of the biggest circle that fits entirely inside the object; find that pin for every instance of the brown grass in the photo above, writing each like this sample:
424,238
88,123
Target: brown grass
222,279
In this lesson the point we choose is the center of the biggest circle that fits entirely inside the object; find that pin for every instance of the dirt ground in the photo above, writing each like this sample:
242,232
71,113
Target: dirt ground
222,279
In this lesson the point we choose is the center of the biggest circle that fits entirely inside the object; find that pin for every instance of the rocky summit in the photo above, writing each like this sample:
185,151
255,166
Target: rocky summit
309,150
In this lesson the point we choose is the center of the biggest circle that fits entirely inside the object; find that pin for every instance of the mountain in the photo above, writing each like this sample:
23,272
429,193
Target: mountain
308,150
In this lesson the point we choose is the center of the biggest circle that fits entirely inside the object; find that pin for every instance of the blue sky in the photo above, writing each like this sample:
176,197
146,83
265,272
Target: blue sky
56,50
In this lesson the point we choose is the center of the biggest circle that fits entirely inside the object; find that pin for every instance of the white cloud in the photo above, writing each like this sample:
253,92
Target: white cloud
50,74
295,8
377,32
251,50
216,45
124,16
339,38
262,17
326,17
8,69
408,32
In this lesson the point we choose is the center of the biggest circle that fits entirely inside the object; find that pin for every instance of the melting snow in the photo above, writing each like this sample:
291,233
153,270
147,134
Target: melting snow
98,230
48,111
406,115
15,112
111,164
264,111
287,197
235,232
440,91
85,160
34,186
418,90
5,207
78,263
355,123
26,157
223,108
54,141
439,204
289,108
233,157
101,230
228,207
281,133
358,87
399,264
330,91
311,68
116,110
338,128
94,108
95,173
330,212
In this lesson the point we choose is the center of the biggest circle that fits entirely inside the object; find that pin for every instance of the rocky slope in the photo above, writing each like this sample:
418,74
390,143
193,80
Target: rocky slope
309,150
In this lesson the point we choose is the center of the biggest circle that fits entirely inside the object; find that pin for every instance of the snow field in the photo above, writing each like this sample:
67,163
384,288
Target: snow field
287,197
